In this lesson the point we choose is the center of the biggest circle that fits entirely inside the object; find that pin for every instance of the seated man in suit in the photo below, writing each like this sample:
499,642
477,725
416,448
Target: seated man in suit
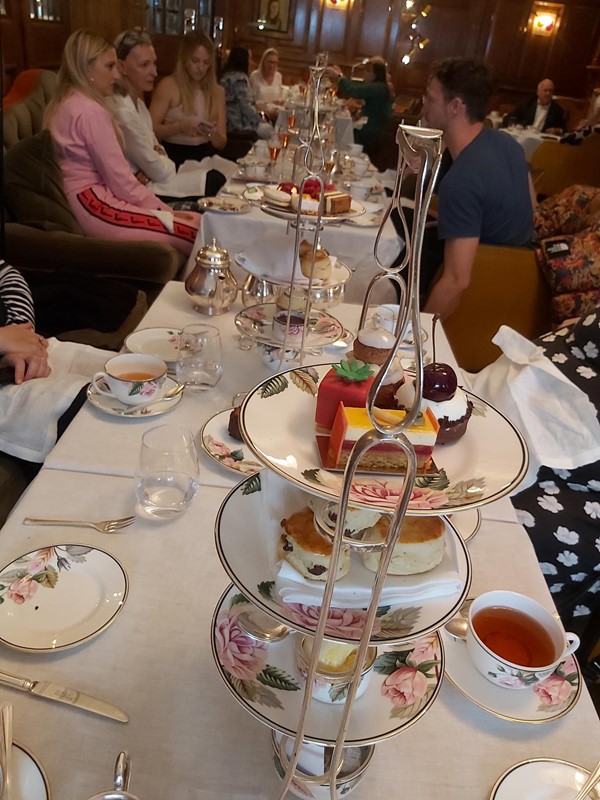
540,112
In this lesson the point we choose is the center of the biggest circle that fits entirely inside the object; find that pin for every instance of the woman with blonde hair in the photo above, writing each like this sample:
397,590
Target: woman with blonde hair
104,195
266,81
188,107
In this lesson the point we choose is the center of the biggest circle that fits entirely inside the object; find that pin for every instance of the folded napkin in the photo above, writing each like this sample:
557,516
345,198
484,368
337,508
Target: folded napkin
354,589
556,418
272,257
29,412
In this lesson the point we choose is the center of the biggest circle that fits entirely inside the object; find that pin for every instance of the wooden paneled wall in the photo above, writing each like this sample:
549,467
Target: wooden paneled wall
494,30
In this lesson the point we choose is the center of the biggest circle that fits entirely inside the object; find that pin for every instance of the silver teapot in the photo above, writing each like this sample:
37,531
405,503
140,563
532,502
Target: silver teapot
211,284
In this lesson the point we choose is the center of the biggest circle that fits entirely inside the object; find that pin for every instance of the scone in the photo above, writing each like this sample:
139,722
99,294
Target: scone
322,262
420,546
307,550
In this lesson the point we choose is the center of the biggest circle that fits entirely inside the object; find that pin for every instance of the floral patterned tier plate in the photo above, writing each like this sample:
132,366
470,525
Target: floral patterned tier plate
356,209
59,596
222,448
243,518
159,342
29,781
257,323
369,220
265,680
114,407
543,779
224,205
547,700
340,274
485,465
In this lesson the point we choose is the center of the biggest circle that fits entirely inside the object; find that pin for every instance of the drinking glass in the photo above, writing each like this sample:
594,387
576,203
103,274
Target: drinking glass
167,472
200,360
274,148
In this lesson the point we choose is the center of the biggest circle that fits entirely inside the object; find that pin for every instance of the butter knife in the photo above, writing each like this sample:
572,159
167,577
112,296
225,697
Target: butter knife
62,694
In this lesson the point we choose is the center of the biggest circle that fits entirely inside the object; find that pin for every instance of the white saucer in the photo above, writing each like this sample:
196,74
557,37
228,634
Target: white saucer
60,596
542,779
160,342
114,407
29,781
533,705
229,453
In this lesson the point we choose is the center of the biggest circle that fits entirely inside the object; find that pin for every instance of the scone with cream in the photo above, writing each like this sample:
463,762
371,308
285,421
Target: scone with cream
419,548
321,270
308,550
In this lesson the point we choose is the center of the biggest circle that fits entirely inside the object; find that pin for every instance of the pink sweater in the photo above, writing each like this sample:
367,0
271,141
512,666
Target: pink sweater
89,153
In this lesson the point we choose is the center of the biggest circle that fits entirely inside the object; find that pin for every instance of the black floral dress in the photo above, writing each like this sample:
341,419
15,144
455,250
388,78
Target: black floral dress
561,510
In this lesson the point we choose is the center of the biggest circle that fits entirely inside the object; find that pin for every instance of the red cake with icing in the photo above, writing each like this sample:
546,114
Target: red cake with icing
346,382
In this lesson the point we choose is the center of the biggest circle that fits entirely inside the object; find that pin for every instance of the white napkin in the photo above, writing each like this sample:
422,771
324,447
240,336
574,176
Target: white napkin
166,217
272,256
29,412
556,418
354,589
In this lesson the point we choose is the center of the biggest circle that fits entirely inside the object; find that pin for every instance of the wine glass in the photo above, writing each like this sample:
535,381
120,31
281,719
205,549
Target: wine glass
284,139
274,145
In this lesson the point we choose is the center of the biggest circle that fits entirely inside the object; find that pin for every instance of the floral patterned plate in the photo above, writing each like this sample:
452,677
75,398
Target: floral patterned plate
114,407
160,342
356,209
547,700
265,680
224,205
244,517
59,596
29,781
542,778
257,322
222,448
486,464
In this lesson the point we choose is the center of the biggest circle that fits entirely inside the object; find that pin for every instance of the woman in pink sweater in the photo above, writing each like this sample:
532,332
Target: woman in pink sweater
104,195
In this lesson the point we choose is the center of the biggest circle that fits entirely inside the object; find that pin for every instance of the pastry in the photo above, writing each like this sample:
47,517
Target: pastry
373,345
356,519
233,428
309,205
308,550
337,202
276,196
347,382
351,423
322,262
452,414
419,548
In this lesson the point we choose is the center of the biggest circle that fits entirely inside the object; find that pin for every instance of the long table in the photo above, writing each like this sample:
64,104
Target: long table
187,736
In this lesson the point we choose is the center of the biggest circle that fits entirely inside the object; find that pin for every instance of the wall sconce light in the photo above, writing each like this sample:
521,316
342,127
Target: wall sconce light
339,4
544,18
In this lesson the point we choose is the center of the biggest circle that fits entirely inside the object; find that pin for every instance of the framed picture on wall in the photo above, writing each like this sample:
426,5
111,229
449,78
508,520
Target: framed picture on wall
274,17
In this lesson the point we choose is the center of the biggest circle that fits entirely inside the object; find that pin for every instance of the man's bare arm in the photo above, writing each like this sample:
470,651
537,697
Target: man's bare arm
459,255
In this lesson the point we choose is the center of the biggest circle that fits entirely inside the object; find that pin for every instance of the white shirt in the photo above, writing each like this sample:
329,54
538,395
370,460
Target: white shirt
266,92
140,141
541,112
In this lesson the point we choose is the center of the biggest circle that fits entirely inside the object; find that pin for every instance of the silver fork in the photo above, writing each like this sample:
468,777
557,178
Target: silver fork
104,526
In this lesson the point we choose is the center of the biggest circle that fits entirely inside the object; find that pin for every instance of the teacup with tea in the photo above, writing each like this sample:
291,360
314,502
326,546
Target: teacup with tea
514,641
132,378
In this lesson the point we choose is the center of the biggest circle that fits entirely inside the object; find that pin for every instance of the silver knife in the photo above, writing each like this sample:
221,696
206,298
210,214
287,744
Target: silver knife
62,694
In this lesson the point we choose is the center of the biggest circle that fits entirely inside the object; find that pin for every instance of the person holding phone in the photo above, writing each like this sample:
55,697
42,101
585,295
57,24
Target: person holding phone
188,107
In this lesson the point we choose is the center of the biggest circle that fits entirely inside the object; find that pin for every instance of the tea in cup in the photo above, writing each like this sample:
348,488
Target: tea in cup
132,378
514,641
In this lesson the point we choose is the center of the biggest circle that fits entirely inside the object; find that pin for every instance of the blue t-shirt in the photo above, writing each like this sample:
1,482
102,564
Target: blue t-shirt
485,193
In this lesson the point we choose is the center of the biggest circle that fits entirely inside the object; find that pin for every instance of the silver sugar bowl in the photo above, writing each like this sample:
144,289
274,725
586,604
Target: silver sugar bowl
258,290
211,284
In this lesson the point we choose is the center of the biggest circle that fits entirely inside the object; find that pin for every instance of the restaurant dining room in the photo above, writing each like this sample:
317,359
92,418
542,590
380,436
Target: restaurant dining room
300,378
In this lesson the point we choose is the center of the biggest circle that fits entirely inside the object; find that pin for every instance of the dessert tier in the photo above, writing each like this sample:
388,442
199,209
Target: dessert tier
252,512
356,210
278,423
257,322
266,681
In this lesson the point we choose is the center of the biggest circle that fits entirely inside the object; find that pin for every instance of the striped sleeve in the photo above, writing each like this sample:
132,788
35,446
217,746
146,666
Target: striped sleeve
15,296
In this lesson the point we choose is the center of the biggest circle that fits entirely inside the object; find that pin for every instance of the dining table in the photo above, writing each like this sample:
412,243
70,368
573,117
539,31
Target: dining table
529,139
350,241
187,737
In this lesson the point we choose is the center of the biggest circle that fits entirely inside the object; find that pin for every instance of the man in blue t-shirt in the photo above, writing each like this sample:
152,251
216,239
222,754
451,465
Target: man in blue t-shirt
486,195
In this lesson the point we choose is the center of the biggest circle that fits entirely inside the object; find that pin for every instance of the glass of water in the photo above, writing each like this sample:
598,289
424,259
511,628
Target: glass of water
200,359
167,473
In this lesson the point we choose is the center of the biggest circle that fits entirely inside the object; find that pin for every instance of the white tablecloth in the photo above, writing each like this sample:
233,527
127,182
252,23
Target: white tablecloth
529,140
352,245
187,736
98,442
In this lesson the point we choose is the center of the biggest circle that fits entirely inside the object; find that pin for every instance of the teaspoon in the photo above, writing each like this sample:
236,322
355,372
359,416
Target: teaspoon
457,627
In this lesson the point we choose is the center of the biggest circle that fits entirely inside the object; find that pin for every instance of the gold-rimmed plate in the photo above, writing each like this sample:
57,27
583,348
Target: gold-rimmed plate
543,779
